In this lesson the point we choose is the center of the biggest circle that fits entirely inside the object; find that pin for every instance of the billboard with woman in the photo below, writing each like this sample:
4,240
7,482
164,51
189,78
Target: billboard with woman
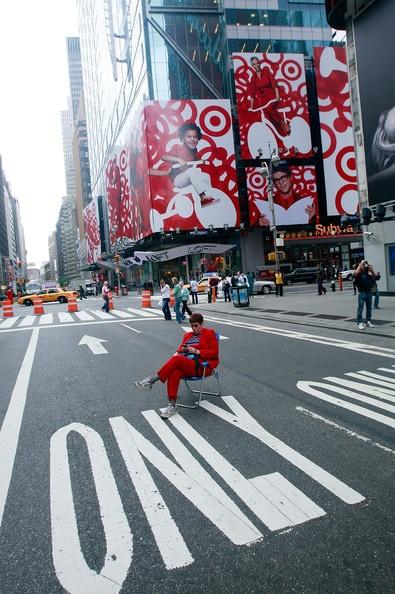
92,231
192,168
272,105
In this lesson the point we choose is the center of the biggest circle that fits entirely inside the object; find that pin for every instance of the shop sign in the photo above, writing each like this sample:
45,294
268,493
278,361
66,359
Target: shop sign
322,231
177,252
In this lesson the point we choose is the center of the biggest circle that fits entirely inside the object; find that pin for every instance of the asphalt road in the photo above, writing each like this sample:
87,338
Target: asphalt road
283,485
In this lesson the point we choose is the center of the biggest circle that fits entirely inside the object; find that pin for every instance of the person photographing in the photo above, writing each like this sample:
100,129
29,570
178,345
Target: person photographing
365,279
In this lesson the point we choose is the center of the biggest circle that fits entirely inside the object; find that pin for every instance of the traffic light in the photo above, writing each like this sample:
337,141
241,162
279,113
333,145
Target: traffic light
366,214
379,213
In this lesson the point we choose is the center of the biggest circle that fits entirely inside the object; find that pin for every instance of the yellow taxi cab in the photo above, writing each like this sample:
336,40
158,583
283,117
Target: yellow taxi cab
48,295
203,283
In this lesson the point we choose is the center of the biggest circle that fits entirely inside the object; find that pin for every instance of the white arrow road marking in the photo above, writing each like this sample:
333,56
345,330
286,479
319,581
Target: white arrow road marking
186,329
93,344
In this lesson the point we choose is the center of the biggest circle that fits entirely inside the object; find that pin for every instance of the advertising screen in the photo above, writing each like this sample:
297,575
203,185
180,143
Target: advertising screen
336,130
191,161
294,196
92,231
374,43
272,105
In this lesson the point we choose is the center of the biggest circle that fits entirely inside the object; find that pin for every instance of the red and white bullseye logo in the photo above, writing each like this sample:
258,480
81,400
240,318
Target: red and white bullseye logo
291,70
255,181
215,121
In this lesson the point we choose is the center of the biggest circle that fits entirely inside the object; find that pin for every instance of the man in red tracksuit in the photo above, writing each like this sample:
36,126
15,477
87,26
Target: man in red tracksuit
203,344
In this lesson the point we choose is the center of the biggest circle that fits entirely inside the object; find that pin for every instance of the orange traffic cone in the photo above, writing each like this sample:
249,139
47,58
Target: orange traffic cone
72,304
7,309
172,301
110,302
38,306
146,299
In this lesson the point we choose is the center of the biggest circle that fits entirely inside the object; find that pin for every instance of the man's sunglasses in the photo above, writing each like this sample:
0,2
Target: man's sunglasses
279,179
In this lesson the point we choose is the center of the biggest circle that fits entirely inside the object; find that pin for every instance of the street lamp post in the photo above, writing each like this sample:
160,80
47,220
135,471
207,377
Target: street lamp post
266,171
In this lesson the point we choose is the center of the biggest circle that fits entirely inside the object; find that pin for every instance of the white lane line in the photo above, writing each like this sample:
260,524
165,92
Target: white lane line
344,344
374,378
8,322
27,321
141,312
309,413
103,315
121,314
65,317
84,316
45,319
9,433
133,329
156,312
65,325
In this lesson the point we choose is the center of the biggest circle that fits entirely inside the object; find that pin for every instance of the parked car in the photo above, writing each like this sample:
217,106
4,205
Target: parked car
202,284
347,274
48,295
90,290
263,287
301,275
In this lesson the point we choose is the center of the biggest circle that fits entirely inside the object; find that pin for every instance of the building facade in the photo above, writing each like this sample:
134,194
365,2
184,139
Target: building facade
66,242
162,52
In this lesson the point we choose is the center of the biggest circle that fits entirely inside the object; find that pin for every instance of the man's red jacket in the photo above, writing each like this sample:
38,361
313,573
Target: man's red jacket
208,346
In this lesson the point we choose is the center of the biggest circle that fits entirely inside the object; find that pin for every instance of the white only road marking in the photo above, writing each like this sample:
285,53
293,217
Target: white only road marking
309,413
65,317
243,420
46,319
259,498
10,429
113,320
103,315
217,506
94,344
71,568
157,312
315,389
133,329
188,329
8,322
343,344
83,315
142,312
27,321
121,314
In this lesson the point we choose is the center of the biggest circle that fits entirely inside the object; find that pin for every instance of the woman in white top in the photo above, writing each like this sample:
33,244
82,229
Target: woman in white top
184,299
165,293
106,296
194,290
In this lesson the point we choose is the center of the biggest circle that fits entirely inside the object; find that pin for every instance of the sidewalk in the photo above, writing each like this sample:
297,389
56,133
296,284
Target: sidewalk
333,310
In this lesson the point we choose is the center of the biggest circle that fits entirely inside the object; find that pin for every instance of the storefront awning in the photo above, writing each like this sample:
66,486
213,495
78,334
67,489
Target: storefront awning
177,252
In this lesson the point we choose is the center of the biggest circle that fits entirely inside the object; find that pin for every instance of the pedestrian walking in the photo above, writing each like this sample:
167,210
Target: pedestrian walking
178,300
279,282
250,280
81,291
10,294
106,296
365,281
333,273
226,284
184,299
320,279
376,292
165,295
197,346
194,290
354,286
213,285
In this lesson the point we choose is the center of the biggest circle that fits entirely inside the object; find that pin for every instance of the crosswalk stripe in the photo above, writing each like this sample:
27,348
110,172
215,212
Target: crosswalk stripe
121,314
8,322
103,315
84,316
65,317
46,319
157,312
141,312
27,321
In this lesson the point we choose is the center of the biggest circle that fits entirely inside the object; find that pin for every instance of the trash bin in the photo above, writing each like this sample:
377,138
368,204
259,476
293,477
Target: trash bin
240,296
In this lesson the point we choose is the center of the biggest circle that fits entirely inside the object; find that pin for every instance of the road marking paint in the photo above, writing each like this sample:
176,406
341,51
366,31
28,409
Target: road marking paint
65,317
377,391
355,395
65,325
10,429
386,369
8,322
121,314
310,388
262,506
45,319
103,315
83,315
27,321
156,312
71,568
94,344
309,413
216,509
295,505
133,329
375,378
244,421
141,312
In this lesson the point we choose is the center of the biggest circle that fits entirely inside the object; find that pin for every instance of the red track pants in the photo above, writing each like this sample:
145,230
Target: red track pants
176,368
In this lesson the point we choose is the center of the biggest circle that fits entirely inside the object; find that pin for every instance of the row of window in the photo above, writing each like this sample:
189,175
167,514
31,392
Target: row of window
276,46
276,18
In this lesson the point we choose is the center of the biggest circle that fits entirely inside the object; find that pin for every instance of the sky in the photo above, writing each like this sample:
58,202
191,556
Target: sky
34,90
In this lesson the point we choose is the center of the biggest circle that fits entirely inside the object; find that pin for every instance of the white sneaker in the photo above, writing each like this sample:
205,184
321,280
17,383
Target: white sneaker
361,326
370,324
169,411
144,384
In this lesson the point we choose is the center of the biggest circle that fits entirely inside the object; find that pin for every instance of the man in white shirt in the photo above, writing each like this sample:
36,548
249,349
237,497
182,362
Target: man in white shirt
165,293
242,279
194,290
